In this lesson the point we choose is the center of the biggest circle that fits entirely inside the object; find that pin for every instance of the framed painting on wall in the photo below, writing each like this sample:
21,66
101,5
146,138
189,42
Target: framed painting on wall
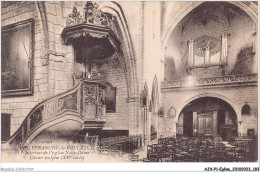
17,58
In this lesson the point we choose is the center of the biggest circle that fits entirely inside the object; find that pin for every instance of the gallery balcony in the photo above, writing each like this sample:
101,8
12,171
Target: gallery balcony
212,82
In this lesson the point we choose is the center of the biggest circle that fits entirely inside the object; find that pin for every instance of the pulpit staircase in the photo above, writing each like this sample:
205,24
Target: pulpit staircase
68,116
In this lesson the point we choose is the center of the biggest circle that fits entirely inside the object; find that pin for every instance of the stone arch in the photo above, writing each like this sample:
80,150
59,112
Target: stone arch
129,62
250,8
127,46
227,100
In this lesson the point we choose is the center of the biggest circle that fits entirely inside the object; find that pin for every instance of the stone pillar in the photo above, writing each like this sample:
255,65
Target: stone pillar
207,53
240,129
215,123
143,124
157,125
224,45
133,122
148,127
195,123
180,122
174,129
226,117
51,77
191,51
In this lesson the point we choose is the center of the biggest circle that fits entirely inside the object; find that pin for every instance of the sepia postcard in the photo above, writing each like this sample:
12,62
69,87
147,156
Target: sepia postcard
167,82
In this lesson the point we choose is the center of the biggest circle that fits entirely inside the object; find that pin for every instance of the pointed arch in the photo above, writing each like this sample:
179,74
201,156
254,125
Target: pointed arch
127,46
127,57
250,8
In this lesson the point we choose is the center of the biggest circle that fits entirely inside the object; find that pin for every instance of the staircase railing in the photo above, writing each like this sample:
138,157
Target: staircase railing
86,99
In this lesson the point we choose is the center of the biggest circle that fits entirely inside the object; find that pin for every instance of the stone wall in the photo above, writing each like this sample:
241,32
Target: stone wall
115,75
19,107
53,61
235,96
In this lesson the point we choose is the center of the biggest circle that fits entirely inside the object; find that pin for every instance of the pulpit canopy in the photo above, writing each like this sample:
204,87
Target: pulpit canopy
95,35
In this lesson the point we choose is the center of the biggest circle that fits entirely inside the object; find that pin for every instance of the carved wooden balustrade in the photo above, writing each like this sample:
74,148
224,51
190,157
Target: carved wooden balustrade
92,15
86,100
214,81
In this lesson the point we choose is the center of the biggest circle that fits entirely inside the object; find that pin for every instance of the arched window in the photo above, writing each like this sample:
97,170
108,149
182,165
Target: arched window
172,112
208,51
110,98
161,112
246,109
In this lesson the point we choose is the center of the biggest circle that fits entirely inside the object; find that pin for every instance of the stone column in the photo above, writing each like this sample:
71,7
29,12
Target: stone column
51,77
224,45
174,129
195,123
143,124
133,122
207,53
226,117
148,127
240,129
215,123
191,51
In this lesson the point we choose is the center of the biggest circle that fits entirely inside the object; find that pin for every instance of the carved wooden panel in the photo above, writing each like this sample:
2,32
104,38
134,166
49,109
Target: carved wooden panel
81,99
90,99
36,117
90,90
93,100
50,110
18,139
25,130
68,102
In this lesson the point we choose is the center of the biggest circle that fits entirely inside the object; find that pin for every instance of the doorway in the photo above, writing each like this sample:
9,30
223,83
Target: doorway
208,116
205,124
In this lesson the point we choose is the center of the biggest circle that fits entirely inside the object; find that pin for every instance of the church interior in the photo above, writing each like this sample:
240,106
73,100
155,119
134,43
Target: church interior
167,81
